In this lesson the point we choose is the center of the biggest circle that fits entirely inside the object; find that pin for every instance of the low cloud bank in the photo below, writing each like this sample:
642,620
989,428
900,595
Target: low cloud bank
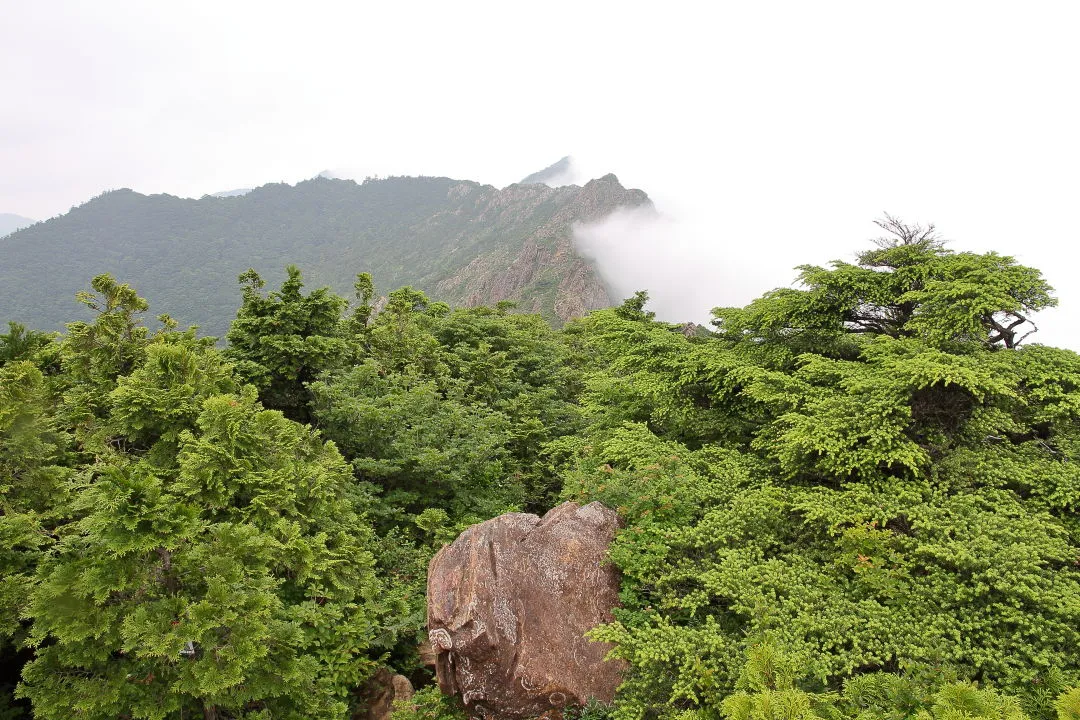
686,266
690,264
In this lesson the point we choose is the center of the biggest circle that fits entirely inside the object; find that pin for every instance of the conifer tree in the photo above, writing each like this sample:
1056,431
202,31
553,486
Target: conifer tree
869,469
282,341
218,561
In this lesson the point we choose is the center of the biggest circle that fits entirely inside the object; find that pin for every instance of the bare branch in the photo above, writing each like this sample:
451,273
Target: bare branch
904,234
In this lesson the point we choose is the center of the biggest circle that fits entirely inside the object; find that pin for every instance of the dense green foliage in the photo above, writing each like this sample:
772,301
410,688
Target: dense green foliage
857,499
453,239
891,499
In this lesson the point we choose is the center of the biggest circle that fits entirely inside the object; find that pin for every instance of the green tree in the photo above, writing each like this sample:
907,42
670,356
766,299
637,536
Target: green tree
767,690
215,557
18,343
93,355
911,286
234,581
448,414
452,410
422,448
1068,705
33,484
280,342
854,469
427,704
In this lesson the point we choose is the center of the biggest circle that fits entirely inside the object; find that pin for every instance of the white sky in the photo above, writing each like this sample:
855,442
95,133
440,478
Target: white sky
770,133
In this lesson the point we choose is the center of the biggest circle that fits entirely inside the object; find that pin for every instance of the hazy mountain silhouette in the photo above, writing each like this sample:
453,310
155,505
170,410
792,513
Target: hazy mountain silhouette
9,223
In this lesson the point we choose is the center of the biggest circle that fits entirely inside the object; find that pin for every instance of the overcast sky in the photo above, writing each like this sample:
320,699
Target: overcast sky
769,133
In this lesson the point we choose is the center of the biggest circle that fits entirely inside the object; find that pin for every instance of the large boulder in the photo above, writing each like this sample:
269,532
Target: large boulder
509,603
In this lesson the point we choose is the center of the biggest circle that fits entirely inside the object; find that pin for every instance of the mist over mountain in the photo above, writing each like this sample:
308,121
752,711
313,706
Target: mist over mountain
9,223
459,241
562,172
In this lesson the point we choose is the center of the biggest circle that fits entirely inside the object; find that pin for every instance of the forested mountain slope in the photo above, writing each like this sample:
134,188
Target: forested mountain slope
459,241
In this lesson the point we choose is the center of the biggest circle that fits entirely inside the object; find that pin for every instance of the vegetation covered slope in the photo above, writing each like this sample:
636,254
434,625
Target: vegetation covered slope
461,242
857,499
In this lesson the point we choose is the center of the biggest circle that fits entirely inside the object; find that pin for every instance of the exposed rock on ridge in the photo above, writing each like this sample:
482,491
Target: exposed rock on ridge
509,603
545,274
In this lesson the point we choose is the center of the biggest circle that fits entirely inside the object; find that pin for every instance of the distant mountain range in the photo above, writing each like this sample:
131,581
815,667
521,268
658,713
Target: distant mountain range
459,241
9,223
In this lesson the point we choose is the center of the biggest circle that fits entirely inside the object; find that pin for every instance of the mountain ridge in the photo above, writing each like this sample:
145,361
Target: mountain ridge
458,240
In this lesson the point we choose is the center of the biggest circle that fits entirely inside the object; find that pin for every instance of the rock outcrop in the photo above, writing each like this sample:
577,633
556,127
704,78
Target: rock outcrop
509,603
543,271
381,691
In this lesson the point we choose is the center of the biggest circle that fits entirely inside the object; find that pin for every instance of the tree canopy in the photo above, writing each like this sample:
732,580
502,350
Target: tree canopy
910,286
856,499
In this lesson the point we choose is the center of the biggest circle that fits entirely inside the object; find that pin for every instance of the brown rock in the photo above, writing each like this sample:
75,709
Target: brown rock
401,687
381,691
427,654
509,603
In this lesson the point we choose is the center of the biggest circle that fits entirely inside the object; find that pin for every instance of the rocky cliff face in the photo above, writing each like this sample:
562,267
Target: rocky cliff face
539,268
509,603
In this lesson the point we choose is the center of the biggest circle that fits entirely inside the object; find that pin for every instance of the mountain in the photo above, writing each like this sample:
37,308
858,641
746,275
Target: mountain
459,241
559,173
10,223
231,193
